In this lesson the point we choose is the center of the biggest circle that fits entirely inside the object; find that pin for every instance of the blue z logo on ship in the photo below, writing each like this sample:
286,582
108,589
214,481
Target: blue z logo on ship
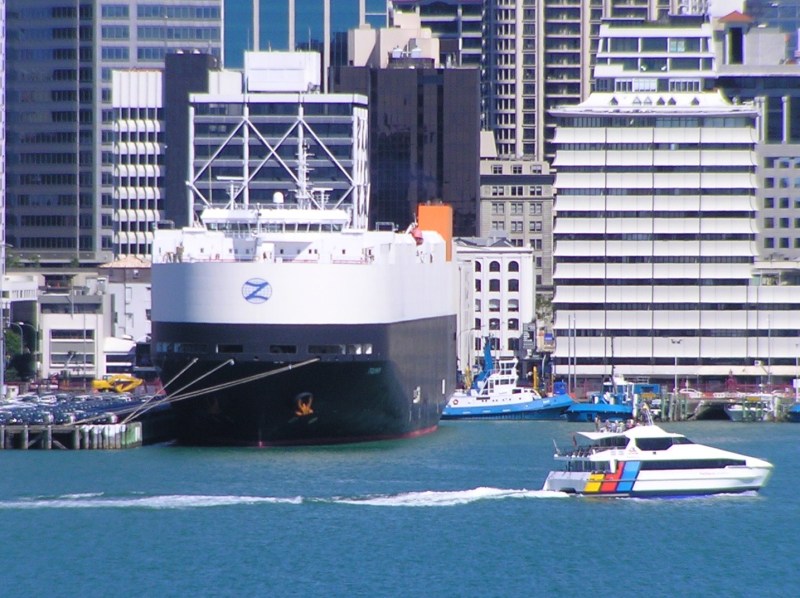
256,290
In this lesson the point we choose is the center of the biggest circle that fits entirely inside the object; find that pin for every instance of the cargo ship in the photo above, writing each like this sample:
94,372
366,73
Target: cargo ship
285,324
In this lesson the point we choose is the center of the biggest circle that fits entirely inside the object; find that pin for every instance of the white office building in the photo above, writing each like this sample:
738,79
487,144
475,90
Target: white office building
655,219
497,299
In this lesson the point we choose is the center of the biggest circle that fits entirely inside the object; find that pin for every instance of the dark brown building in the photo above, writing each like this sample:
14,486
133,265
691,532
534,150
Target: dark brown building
424,138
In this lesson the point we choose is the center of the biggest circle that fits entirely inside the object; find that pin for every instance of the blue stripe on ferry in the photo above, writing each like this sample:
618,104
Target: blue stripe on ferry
631,471
624,486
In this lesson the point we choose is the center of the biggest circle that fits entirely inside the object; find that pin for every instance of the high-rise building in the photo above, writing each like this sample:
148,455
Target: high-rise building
2,160
424,123
60,199
756,64
655,228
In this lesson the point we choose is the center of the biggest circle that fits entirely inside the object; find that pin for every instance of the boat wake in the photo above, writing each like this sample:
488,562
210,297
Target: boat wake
167,501
427,498
448,498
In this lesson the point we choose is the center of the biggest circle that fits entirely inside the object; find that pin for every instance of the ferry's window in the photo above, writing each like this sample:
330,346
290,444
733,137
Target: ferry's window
282,349
367,348
653,444
230,349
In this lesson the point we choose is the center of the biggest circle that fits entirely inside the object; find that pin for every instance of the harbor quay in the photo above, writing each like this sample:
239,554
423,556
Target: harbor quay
84,421
71,436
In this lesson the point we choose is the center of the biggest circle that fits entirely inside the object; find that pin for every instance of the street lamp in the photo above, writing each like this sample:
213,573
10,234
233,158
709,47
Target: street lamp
675,342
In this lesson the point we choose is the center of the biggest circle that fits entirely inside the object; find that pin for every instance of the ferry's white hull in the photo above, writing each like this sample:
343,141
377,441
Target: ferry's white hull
677,482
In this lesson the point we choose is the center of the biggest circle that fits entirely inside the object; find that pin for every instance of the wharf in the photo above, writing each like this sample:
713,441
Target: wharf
104,420
725,406
71,436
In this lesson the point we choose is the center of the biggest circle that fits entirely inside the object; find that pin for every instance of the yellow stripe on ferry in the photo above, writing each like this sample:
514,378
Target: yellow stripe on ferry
593,485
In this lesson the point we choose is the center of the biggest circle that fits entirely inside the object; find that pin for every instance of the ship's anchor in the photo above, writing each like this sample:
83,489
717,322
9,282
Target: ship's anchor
304,401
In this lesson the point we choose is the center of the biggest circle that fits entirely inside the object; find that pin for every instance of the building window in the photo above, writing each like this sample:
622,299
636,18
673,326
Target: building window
513,344
477,305
513,305
494,266
494,285
516,169
477,285
494,324
477,266
769,202
497,169
516,208
513,324
513,285
494,305
513,266
769,223
769,243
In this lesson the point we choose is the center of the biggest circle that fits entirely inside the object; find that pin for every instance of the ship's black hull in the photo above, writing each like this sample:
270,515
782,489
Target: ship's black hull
397,390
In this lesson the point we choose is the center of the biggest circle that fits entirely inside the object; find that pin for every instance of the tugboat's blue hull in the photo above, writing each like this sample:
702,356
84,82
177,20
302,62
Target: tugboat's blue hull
587,412
552,408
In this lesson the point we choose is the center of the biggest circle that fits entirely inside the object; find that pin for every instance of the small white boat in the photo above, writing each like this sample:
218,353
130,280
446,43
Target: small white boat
647,461
750,411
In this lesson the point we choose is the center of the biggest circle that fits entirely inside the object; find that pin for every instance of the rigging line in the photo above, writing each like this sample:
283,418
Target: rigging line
154,397
158,402
225,385
174,398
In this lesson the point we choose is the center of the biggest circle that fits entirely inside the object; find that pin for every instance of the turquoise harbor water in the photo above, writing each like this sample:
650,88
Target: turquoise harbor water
457,513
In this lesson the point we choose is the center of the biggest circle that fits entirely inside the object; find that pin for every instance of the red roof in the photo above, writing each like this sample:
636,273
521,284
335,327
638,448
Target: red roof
736,17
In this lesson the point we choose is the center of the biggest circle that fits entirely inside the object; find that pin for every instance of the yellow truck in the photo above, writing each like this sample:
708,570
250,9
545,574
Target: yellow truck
116,383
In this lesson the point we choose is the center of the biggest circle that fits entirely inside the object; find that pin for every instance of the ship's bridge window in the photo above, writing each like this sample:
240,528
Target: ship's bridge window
282,349
327,349
230,349
191,348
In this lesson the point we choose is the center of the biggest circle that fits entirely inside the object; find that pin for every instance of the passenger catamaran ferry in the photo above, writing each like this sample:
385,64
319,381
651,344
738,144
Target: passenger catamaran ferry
646,461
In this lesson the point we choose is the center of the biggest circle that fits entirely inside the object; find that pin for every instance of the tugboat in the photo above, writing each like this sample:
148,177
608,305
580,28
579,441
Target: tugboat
495,394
